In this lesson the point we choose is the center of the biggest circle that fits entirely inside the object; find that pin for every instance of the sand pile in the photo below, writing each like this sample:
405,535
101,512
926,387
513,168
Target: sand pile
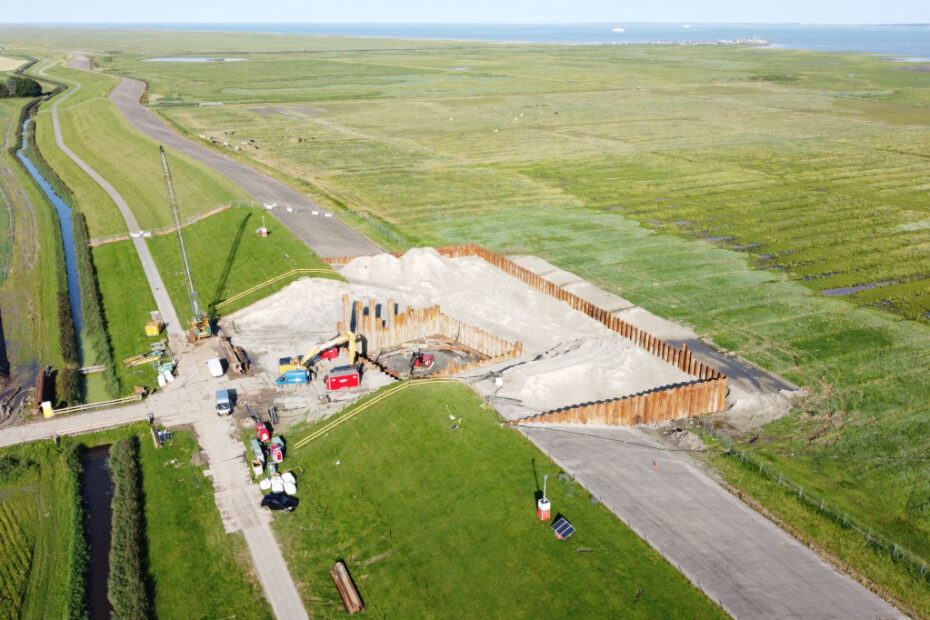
568,357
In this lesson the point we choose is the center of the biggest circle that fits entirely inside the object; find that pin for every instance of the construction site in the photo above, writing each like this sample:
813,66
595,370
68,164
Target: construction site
527,346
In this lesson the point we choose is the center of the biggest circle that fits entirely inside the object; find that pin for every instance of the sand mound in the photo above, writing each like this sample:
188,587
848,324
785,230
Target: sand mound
568,357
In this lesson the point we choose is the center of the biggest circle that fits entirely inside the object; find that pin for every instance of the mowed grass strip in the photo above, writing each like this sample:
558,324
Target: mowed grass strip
229,257
198,570
127,302
436,522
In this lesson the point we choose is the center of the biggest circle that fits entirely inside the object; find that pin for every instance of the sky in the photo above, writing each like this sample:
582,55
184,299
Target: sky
470,11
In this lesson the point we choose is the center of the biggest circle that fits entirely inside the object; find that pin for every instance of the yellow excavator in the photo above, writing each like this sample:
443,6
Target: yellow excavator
303,362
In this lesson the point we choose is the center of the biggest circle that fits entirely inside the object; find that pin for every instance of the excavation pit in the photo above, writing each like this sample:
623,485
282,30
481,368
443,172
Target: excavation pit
447,355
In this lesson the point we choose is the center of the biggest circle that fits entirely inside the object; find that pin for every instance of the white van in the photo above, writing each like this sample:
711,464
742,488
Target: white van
215,366
224,402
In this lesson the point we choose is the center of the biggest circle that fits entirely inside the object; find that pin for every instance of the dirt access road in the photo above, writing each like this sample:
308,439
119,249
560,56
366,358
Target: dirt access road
189,400
327,236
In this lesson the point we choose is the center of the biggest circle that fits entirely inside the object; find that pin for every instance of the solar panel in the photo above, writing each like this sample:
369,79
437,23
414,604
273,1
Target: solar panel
562,528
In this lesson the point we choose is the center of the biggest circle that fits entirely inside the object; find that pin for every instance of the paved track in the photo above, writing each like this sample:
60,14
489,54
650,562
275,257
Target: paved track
327,236
173,326
740,559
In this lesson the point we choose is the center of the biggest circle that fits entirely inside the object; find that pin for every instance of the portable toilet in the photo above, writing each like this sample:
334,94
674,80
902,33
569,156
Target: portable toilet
341,378
277,455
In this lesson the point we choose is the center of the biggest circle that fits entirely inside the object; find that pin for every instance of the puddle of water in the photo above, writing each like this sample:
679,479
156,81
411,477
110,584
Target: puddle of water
191,59
64,218
98,496
849,290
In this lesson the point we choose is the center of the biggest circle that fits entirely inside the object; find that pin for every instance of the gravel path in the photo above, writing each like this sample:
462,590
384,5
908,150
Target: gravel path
327,236
740,559
173,325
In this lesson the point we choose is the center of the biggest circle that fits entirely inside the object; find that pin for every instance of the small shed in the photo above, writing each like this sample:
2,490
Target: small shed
342,377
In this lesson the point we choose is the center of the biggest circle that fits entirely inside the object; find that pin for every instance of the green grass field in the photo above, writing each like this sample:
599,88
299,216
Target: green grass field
29,288
228,257
198,570
439,523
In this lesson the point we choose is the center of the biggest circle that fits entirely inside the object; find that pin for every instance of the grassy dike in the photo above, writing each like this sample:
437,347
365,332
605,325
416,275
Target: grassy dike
442,523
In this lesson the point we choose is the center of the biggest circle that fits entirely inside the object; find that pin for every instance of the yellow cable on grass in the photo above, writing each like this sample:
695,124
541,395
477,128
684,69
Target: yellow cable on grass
277,278
388,392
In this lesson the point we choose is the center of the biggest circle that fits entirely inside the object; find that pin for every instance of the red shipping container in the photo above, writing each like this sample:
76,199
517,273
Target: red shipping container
262,431
329,354
341,378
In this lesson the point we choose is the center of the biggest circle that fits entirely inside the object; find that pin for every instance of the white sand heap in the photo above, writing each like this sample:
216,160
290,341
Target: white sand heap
568,358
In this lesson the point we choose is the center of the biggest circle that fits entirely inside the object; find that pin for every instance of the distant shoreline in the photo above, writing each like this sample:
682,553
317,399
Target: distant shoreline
911,41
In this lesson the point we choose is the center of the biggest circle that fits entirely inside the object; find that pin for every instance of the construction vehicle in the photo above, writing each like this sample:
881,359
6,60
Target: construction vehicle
421,362
295,376
324,350
200,324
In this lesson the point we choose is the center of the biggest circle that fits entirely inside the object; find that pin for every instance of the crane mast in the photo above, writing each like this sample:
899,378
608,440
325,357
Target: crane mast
200,325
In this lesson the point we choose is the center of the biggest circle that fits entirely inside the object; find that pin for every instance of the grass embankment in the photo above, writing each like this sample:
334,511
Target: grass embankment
127,584
808,164
228,257
436,522
832,529
95,130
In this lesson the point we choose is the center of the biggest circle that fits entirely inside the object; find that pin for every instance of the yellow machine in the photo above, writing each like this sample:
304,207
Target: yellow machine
296,363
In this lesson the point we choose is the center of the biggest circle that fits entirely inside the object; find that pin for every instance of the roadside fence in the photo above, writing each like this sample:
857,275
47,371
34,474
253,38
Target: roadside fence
880,543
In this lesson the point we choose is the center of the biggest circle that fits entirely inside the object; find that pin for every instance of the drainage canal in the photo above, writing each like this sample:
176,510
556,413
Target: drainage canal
67,234
98,495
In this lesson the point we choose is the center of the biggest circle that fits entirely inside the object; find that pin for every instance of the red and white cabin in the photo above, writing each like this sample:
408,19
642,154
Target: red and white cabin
342,378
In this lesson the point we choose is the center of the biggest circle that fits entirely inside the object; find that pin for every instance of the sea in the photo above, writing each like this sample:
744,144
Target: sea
904,42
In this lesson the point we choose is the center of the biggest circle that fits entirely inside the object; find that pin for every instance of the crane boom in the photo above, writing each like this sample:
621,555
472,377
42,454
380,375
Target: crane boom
200,325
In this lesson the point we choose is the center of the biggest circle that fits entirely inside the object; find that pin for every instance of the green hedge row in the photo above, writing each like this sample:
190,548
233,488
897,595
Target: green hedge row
77,570
127,586
95,328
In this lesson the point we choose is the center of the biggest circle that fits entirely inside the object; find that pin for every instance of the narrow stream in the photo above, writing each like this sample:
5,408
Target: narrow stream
67,236
98,495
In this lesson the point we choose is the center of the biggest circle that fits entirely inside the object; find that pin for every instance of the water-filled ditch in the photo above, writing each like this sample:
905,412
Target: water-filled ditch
97,491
